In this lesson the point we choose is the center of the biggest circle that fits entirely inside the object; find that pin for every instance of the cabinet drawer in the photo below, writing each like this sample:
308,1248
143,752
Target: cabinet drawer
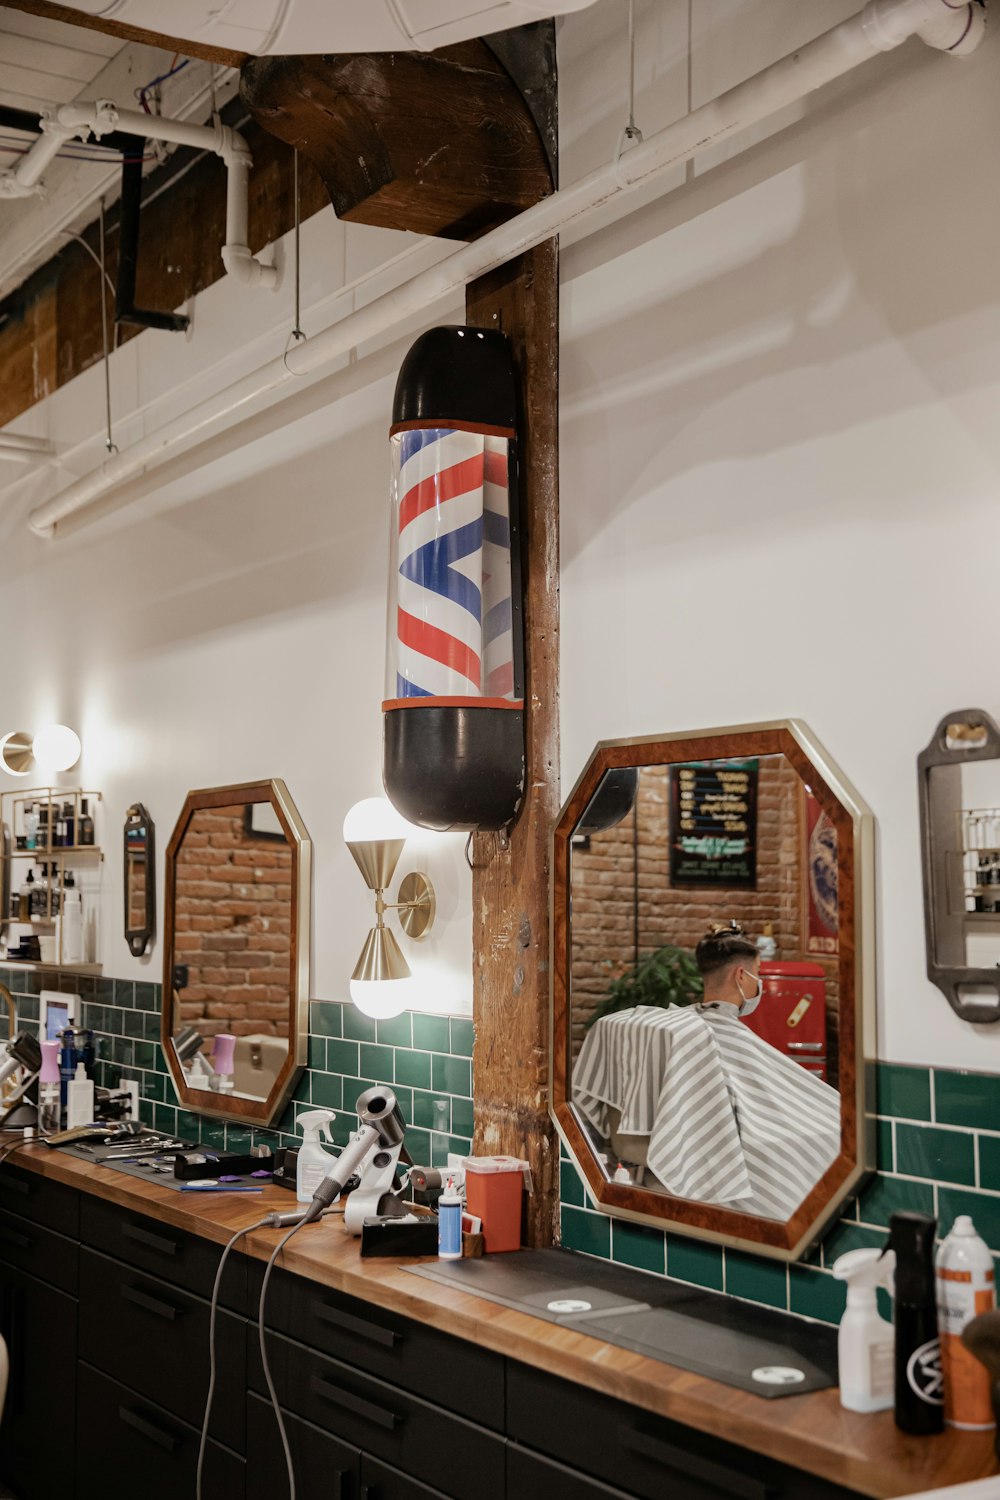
130,1446
325,1468
641,1453
157,1336
148,1245
379,1482
44,1202
442,1369
465,1461
39,1416
41,1252
532,1478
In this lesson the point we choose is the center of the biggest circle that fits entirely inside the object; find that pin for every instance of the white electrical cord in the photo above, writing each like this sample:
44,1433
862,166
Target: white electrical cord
263,1358
212,1320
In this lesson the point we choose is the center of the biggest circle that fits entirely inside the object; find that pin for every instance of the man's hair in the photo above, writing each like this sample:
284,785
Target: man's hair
723,943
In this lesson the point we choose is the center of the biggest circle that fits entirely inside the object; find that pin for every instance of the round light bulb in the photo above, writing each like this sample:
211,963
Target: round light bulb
381,998
56,748
374,820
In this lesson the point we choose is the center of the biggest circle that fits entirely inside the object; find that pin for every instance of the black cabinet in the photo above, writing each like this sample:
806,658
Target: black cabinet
108,1343
127,1445
37,1444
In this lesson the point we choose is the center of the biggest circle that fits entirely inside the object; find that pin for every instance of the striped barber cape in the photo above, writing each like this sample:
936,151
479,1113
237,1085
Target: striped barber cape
730,1120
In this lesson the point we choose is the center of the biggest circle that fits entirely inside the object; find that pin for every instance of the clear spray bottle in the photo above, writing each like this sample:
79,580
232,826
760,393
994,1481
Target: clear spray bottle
49,1090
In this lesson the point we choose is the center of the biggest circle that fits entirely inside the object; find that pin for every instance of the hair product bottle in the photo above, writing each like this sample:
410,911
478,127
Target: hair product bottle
965,1288
919,1386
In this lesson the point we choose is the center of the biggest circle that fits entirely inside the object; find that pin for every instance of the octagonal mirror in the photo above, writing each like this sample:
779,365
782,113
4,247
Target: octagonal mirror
713,1004
237,894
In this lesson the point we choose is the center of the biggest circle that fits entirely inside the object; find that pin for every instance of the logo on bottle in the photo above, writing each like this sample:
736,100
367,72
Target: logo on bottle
923,1371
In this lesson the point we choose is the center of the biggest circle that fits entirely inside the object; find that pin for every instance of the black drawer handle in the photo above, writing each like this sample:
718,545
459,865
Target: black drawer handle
15,1185
150,1240
14,1237
151,1304
149,1429
371,1331
361,1408
722,1481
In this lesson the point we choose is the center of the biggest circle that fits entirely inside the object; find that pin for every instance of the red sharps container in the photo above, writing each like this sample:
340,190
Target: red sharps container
493,1189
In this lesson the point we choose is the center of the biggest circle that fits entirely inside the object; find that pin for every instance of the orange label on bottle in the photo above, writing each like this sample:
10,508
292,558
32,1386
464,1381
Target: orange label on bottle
966,1382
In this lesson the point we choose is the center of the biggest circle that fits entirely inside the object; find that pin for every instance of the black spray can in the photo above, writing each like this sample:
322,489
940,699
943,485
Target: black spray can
919,1383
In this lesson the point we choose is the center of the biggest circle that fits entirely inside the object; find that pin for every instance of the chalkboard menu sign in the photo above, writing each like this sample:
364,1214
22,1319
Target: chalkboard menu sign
713,823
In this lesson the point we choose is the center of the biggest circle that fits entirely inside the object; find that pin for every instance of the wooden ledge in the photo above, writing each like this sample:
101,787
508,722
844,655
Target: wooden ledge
810,1432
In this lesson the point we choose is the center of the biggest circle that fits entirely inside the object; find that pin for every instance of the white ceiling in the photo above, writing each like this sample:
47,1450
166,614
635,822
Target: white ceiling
44,63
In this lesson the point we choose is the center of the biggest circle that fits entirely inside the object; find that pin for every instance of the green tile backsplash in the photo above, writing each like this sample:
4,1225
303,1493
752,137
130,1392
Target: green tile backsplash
347,1052
938,1134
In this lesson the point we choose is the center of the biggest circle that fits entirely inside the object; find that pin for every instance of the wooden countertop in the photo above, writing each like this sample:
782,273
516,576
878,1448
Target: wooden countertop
811,1432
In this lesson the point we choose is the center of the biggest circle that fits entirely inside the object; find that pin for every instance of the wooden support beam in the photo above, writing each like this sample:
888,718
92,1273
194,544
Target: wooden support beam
55,12
510,883
439,142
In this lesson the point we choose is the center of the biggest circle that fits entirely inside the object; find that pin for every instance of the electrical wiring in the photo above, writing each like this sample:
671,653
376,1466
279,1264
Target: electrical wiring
14,147
264,1360
140,93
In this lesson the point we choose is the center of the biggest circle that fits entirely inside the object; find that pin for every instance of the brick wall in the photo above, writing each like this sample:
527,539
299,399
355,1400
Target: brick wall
623,902
233,926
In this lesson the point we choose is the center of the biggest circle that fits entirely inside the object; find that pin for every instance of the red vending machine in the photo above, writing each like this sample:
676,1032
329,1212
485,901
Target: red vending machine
792,1013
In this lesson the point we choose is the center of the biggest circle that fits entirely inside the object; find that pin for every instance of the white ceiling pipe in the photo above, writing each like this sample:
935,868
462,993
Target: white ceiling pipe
102,116
25,179
23,449
881,25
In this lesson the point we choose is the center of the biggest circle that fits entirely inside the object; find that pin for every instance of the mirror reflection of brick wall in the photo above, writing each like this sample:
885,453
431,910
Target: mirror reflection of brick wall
233,926
624,906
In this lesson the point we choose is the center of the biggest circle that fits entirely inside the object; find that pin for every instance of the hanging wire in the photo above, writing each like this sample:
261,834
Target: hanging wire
297,330
631,132
109,441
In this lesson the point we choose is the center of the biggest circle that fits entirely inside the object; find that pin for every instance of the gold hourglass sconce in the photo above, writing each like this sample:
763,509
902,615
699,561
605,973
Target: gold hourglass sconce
375,834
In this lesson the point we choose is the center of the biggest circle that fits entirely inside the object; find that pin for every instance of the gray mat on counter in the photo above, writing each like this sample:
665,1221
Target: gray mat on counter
164,1178
757,1349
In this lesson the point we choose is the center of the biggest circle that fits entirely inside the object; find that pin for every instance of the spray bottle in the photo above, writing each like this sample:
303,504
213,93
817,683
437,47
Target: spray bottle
49,1091
313,1161
866,1341
965,1288
919,1387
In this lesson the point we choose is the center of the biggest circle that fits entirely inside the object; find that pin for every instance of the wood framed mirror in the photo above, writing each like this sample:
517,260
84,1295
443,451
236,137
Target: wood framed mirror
680,1109
237,895
140,879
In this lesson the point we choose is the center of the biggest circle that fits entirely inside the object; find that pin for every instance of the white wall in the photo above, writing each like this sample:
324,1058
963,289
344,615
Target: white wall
780,460
781,454
231,626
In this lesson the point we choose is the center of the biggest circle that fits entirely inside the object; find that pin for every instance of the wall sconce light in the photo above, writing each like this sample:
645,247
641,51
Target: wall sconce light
375,834
54,748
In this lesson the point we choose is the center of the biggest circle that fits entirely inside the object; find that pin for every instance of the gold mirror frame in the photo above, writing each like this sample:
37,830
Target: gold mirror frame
854,822
204,1101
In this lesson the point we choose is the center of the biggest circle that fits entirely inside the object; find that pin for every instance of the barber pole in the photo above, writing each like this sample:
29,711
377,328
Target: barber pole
453,748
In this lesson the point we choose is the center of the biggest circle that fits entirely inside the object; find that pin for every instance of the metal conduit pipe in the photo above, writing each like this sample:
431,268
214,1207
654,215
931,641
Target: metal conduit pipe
102,117
882,25
23,449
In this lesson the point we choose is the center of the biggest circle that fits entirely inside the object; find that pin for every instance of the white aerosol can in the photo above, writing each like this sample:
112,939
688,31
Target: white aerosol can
965,1287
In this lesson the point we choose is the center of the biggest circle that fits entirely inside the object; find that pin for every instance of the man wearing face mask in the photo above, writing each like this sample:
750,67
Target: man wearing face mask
787,1119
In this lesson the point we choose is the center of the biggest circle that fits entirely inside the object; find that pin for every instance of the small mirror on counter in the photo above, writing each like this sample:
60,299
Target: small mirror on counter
236,913
140,880
959,784
713,1009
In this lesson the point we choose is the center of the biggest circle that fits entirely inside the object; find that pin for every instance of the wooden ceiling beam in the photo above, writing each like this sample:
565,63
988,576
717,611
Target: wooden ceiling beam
53,12
442,143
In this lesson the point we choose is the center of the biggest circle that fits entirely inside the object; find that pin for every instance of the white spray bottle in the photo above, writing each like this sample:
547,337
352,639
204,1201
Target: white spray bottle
313,1161
866,1343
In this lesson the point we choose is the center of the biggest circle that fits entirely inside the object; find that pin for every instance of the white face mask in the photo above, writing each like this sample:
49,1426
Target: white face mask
750,1002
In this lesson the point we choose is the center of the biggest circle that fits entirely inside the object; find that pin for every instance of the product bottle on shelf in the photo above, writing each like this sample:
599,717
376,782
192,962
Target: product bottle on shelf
85,832
31,827
72,925
43,827
26,901
68,825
